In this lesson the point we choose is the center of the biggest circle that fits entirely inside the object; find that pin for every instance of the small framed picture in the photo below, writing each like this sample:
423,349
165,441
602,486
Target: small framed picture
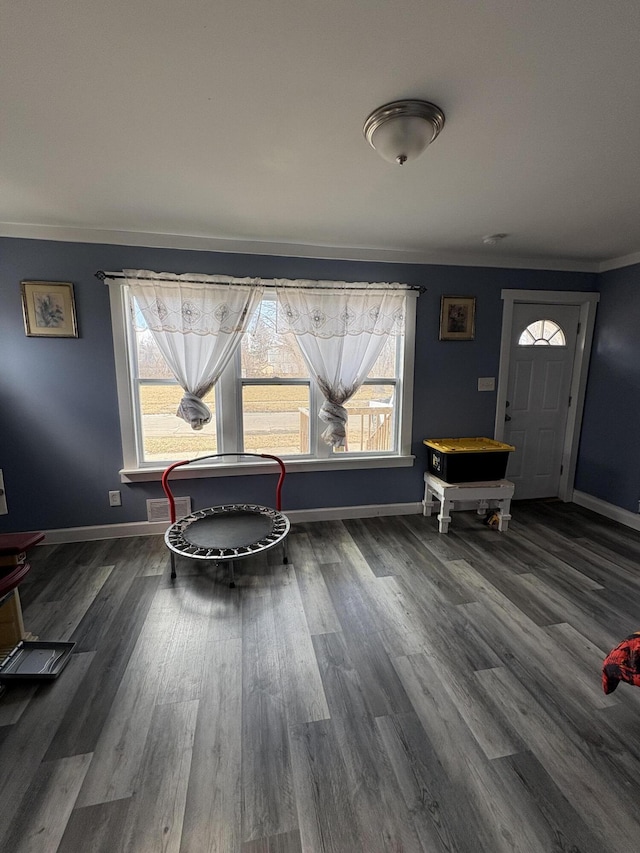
49,309
457,318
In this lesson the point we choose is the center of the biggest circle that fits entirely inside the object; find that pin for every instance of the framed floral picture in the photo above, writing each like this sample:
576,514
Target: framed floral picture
457,318
49,309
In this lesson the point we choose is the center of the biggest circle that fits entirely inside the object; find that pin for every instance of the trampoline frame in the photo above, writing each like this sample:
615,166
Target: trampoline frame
174,536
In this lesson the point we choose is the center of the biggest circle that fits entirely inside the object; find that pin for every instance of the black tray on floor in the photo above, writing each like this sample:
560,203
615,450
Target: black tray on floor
35,659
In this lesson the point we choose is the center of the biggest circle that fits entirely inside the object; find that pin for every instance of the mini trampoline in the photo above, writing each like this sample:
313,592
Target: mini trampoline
228,532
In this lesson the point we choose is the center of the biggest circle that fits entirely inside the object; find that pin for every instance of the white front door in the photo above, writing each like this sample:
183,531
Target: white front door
542,351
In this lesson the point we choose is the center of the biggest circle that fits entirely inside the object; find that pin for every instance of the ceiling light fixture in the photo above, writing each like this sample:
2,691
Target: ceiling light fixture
493,239
401,130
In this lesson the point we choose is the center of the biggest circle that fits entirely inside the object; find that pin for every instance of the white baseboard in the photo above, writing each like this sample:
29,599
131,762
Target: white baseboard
364,511
145,528
629,519
64,535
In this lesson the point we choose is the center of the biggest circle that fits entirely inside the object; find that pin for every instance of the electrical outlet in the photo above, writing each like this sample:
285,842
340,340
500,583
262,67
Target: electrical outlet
3,497
115,499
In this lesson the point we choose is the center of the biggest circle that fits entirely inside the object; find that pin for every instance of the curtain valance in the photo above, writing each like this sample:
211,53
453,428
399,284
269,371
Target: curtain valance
197,327
198,322
188,278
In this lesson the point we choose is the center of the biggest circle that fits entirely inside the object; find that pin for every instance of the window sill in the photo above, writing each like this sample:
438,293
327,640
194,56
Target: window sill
235,469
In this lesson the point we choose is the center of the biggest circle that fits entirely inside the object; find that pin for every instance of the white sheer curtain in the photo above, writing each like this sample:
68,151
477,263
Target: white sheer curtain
197,322
341,331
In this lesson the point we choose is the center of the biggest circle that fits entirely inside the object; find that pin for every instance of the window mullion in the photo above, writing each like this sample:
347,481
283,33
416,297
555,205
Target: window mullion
229,407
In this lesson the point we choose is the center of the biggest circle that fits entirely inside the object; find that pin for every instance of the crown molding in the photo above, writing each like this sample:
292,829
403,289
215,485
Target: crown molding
255,247
618,263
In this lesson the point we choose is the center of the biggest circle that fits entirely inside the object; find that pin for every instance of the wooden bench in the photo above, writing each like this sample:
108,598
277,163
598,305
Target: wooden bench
436,490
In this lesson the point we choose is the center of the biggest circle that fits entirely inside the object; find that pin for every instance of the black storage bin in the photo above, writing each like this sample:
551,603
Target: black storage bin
467,460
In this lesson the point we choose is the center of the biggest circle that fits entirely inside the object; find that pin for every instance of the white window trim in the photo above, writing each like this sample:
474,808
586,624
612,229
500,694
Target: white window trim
132,472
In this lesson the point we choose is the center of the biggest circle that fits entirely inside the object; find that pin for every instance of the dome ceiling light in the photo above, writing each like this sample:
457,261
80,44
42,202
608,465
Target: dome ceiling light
401,130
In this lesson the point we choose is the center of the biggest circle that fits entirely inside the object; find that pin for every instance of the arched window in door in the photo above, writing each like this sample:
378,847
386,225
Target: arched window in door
542,333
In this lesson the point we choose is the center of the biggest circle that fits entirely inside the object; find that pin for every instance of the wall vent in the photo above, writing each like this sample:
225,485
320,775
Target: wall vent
158,508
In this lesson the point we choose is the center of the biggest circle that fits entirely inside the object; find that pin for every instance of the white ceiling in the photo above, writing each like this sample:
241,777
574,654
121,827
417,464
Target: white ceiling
241,120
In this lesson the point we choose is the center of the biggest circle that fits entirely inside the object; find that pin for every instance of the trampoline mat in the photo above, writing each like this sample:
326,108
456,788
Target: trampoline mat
233,529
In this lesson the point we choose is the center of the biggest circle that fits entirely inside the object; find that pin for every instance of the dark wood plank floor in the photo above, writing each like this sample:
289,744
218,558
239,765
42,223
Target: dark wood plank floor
391,689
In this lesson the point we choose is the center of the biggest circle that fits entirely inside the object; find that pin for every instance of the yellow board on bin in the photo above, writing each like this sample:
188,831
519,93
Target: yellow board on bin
467,445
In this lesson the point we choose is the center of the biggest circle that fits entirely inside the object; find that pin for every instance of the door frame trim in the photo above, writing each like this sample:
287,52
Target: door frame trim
587,302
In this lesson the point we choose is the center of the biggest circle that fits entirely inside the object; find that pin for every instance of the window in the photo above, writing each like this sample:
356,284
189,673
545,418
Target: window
275,388
265,401
542,333
161,436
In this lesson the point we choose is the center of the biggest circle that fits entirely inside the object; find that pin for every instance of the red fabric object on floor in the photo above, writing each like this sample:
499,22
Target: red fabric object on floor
622,664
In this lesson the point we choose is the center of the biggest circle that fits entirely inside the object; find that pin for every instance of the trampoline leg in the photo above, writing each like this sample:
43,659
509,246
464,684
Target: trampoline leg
232,577
285,554
173,566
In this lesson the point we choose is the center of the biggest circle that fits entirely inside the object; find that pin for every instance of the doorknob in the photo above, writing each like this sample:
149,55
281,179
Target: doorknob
507,417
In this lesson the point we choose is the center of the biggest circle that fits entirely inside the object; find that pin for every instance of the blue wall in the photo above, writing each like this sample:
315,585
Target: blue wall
609,461
59,430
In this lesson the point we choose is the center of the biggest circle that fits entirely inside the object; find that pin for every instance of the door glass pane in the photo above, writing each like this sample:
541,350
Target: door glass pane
166,437
276,418
542,333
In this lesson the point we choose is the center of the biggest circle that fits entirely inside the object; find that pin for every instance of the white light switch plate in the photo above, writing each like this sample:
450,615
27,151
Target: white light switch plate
486,383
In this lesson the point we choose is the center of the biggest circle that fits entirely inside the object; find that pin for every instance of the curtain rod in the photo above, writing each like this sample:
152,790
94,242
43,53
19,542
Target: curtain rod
102,275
